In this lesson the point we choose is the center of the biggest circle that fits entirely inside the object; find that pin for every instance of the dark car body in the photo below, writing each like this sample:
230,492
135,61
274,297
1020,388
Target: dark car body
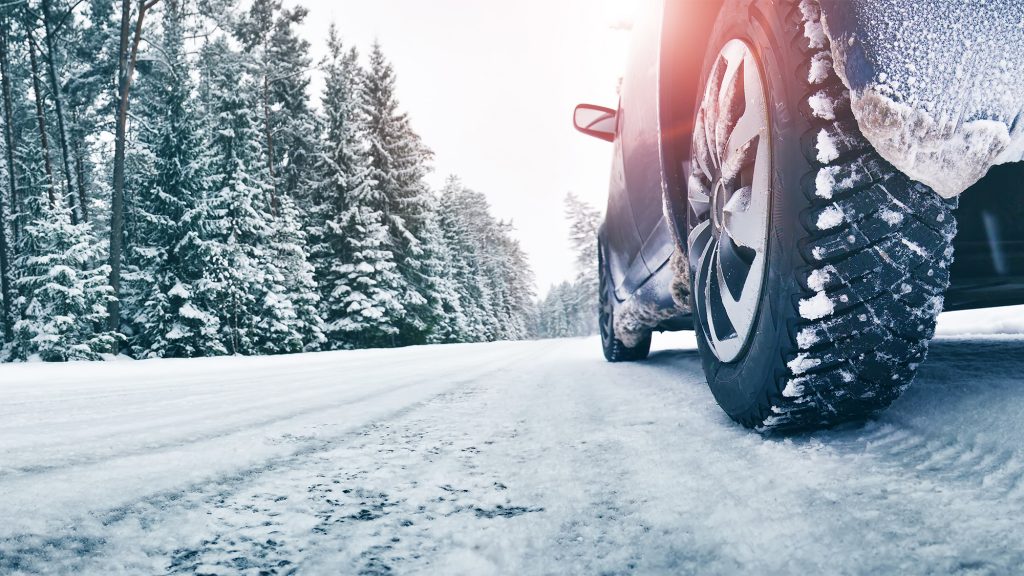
645,217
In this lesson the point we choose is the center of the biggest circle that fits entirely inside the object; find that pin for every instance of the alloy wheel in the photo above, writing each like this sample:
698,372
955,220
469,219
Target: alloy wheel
728,192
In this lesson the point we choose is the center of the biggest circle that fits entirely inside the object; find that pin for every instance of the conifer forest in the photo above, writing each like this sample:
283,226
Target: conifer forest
172,187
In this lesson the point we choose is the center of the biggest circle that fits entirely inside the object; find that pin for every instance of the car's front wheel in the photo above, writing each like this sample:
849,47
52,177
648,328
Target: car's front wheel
817,269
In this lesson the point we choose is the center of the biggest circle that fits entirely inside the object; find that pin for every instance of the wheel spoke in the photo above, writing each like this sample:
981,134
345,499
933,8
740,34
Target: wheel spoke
701,152
741,223
699,196
698,241
731,106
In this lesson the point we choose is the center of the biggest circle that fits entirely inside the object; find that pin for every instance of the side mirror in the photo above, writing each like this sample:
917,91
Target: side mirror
596,121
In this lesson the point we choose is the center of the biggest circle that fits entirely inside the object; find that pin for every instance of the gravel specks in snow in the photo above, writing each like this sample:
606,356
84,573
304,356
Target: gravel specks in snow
830,218
816,307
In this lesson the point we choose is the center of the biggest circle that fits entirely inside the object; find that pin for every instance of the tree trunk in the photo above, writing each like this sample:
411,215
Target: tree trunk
59,105
270,140
44,142
76,142
5,288
127,58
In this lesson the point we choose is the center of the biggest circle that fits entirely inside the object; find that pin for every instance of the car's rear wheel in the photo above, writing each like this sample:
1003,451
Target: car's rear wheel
613,348
817,270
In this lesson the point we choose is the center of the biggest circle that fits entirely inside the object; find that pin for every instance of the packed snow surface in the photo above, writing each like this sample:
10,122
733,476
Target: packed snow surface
506,458
937,88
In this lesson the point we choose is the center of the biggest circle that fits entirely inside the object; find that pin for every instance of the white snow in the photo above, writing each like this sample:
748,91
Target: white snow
822,105
821,66
830,218
506,458
818,279
948,88
806,338
813,29
891,217
827,150
794,388
818,306
802,363
915,247
825,181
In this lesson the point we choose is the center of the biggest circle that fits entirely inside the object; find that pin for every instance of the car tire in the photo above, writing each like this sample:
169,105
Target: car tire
613,348
856,255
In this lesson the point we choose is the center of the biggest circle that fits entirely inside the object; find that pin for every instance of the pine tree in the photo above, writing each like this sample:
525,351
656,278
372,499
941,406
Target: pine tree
168,307
237,201
369,285
64,292
493,279
281,62
291,320
399,163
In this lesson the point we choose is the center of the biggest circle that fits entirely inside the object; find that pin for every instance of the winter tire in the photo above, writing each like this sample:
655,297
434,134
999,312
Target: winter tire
614,349
817,269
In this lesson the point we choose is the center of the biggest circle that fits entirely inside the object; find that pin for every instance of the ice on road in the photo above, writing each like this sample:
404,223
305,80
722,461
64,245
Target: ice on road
506,458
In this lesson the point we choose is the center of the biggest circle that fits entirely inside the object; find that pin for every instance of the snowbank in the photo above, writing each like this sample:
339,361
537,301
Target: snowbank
938,90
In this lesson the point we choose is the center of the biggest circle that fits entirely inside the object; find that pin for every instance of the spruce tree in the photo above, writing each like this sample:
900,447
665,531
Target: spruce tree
168,305
399,163
64,291
238,223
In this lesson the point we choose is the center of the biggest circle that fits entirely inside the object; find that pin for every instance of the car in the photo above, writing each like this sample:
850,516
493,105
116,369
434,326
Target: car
747,203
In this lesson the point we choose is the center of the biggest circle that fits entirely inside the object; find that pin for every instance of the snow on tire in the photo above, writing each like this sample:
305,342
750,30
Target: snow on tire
878,253
858,254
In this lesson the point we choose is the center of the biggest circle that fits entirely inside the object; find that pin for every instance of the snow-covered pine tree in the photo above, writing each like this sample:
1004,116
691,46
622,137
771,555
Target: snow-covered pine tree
492,276
63,289
291,320
167,301
361,290
239,223
399,163
584,221
281,63
369,287
458,215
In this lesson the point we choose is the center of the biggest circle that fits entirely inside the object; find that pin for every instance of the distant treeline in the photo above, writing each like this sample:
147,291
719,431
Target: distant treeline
169,189
570,308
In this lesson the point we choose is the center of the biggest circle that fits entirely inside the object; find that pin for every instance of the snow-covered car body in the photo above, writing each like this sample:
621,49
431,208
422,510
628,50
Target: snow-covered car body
646,212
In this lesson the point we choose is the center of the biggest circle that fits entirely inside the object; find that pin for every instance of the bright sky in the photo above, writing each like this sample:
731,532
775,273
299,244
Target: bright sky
491,87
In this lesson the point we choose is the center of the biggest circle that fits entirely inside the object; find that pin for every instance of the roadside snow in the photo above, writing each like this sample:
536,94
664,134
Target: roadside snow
505,458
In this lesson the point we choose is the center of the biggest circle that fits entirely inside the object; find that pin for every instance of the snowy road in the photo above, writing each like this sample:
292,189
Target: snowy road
510,458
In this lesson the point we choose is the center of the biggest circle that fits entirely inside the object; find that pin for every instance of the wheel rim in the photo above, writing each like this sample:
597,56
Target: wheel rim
728,194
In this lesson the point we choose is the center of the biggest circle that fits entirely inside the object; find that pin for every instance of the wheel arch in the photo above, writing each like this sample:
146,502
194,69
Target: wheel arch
685,31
